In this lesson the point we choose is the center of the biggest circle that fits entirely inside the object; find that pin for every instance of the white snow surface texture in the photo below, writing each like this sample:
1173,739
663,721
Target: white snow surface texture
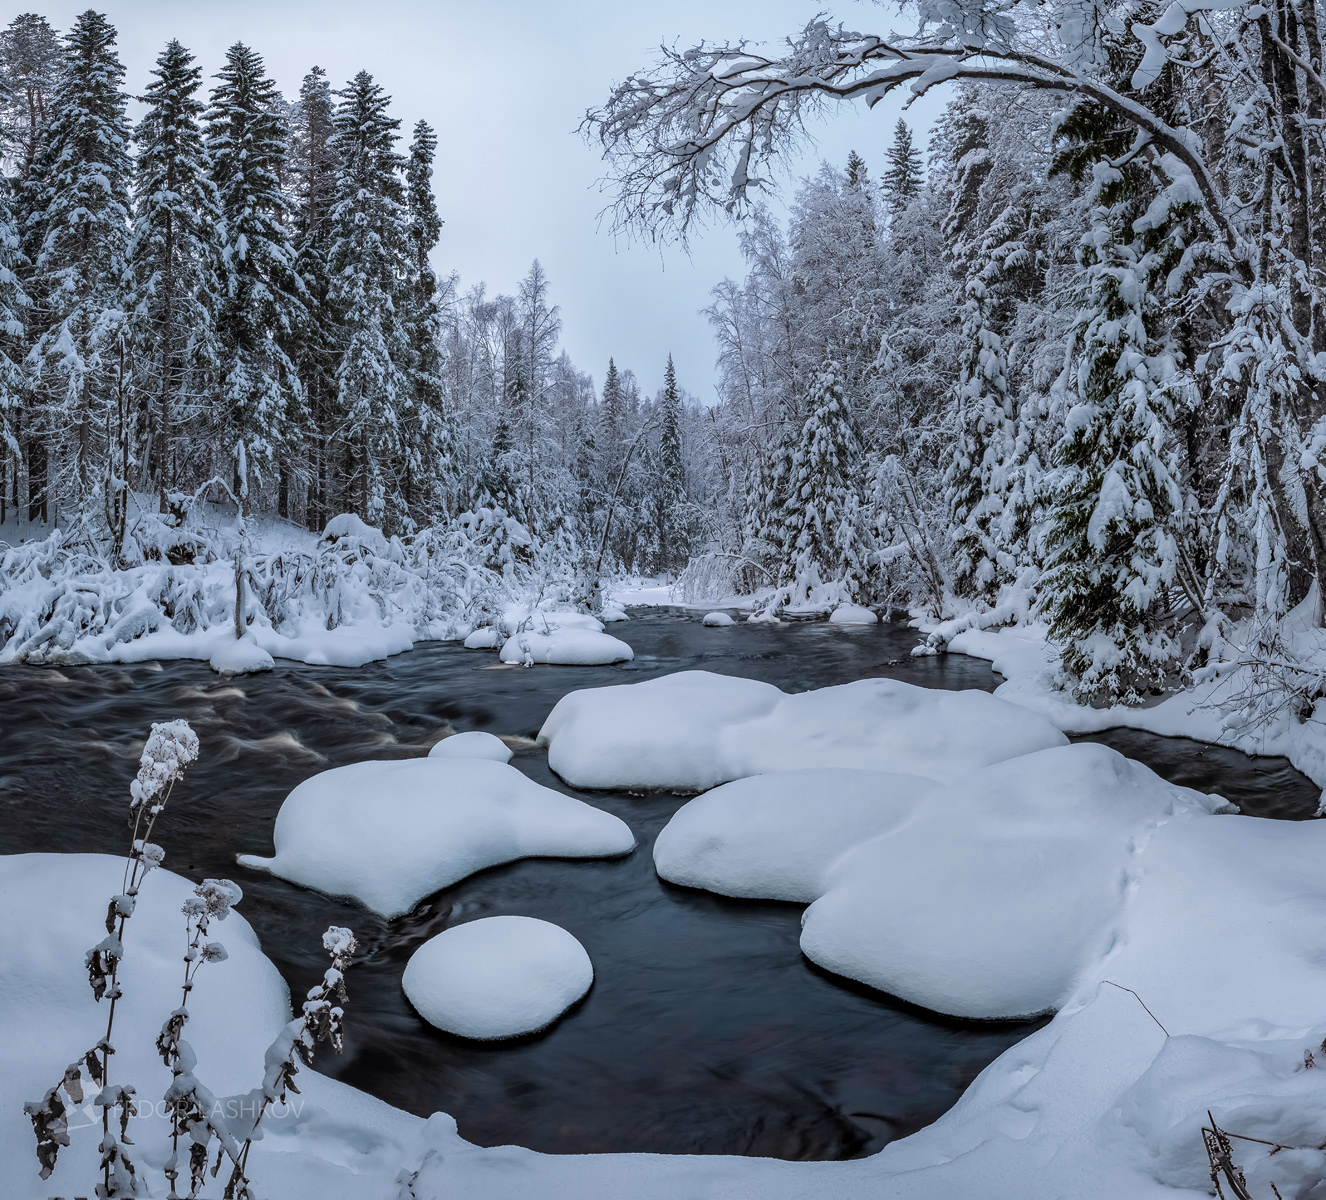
694,729
497,977
390,833
566,648
474,744
775,836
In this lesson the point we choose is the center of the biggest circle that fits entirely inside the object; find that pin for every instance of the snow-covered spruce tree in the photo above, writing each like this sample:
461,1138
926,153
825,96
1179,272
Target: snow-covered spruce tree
612,419
1117,494
497,524
78,204
669,492
13,302
368,259
313,172
174,255
259,403
30,57
822,508
429,439
902,177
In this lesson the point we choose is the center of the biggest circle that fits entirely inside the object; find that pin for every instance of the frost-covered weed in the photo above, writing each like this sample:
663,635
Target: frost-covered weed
197,1120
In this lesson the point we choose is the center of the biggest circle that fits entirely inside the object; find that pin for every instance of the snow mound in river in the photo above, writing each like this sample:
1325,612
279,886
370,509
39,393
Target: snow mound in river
717,620
498,977
473,744
241,656
692,730
566,648
390,833
774,837
999,890
852,614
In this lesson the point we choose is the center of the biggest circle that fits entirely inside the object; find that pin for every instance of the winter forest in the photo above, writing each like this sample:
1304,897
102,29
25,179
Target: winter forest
947,778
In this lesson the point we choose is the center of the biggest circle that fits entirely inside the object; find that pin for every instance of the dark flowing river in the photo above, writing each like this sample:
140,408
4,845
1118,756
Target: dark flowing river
706,1031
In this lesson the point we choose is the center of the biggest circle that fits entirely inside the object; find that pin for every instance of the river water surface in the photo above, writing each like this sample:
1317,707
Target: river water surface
706,1031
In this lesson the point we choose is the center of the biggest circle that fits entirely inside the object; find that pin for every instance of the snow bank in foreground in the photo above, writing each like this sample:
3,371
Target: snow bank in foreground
694,729
472,745
1000,889
334,1143
390,833
774,837
498,977
567,648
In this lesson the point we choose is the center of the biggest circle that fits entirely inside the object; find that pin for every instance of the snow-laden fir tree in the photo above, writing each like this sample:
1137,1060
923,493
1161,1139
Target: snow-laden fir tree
822,516
78,201
30,57
175,253
612,418
13,302
670,518
902,176
313,171
429,441
368,261
260,400
1117,494
498,522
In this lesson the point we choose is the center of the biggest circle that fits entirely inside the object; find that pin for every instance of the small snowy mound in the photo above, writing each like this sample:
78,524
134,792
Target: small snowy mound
474,744
613,612
485,638
241,656
717,620
775,837
347,525
852,614
566,648
693,730
663,733
390,833
498,977
1002,888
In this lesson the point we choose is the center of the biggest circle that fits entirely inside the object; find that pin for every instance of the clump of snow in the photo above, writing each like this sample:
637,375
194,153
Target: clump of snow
565,647
497,977
775,836
852,614
612,612
693,730
241,656
390,833
474,744
347,525
484,638
1001,888
717,620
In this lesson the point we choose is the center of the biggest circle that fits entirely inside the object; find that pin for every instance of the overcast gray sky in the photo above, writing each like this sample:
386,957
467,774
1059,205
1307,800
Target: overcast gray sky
505,83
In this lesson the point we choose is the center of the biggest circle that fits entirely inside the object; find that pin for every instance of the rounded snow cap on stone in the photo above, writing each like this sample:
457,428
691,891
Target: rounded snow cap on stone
486,638
474,744
852,614
241,656
717,619
498,977
565,648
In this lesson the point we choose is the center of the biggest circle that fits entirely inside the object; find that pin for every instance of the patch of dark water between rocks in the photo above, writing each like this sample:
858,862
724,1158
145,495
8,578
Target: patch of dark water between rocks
706,1031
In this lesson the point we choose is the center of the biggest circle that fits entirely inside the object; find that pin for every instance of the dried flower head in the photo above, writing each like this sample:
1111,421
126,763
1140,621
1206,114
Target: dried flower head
170,749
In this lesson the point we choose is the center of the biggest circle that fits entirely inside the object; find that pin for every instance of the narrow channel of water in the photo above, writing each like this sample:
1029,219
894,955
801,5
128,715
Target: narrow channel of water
705,1031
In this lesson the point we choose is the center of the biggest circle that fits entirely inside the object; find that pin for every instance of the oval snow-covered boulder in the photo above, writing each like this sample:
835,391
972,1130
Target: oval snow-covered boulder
1001,888
498,977
566,648
717,620
663,733
390,833
774,837
474,744
241,656
483,638
852,614
693,730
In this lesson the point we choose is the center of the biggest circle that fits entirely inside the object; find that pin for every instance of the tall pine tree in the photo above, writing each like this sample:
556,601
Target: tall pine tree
670,479
902,177
175,253
368,259
78,199
260,401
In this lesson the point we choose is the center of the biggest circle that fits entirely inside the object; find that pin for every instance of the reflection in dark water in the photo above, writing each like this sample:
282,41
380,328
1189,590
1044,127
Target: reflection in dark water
705,1030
